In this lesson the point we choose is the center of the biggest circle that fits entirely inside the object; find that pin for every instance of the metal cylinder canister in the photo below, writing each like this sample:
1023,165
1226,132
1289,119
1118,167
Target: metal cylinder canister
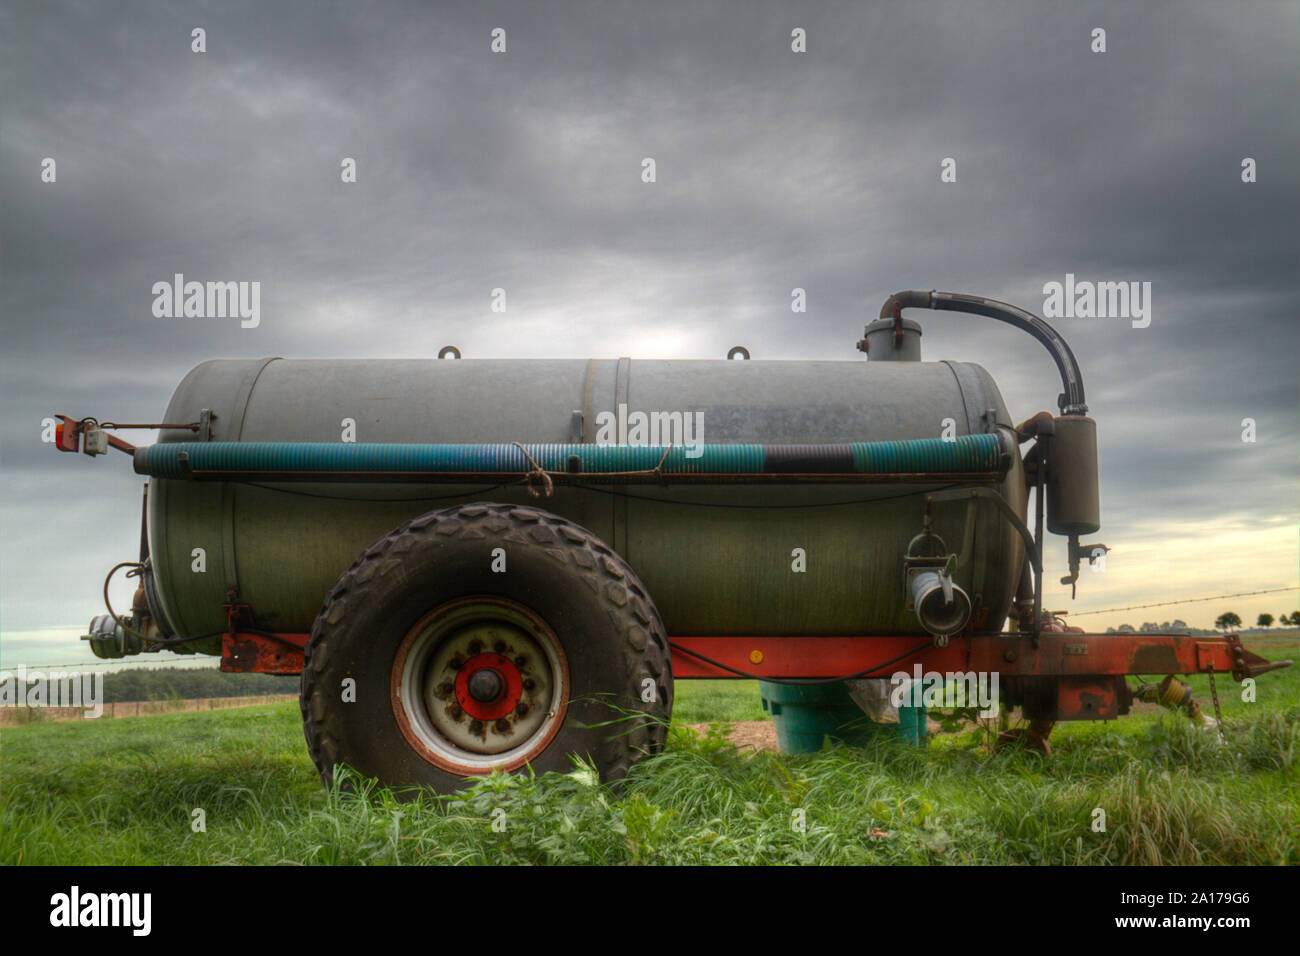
885,344
1073,502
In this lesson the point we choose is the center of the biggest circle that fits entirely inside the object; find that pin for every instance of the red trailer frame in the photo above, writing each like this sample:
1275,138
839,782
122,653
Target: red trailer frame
1063,674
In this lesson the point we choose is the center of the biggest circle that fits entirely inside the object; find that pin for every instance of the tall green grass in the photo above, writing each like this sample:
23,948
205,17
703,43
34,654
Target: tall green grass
124,792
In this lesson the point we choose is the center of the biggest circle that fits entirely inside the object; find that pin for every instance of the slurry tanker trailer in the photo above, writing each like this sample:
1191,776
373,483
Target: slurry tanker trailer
487,564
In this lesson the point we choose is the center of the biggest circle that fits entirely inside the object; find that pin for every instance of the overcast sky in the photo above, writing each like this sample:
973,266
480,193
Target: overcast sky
774,170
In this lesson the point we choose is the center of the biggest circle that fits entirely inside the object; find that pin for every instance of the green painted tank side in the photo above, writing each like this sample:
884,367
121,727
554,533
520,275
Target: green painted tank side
716,559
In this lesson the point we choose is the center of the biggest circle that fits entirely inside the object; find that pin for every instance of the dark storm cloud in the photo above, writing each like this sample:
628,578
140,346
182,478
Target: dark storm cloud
522,171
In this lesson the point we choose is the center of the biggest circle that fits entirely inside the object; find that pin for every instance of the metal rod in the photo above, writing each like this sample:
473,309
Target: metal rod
193,426
1040,482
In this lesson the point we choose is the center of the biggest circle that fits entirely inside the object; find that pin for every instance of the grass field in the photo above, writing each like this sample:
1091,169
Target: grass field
125,792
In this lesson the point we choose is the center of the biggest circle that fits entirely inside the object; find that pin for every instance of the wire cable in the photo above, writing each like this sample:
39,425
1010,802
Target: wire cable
604,491
106,661
706,504
1217,597
799,681
308,494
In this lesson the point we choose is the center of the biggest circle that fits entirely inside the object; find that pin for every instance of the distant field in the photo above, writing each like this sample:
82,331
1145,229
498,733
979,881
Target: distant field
125,791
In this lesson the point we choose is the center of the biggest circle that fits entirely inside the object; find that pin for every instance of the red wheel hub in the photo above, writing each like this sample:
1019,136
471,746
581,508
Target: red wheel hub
489,686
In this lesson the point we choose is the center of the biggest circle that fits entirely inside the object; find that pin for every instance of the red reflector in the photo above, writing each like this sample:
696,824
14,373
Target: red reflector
67,435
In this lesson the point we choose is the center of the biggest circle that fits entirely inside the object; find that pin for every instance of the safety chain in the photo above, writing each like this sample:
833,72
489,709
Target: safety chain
1214,694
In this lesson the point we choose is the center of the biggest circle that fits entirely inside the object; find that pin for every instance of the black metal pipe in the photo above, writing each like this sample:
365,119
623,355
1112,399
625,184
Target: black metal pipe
1040,485
1071,401
144,526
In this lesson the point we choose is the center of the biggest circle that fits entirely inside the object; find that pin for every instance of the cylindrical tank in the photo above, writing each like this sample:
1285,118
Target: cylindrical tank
886,342
717,560
1073,500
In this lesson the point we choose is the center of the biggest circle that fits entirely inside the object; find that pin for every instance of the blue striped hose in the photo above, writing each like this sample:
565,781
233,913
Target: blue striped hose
974,454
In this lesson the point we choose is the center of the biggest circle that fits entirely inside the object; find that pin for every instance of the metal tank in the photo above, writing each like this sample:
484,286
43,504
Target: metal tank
822,525
717,560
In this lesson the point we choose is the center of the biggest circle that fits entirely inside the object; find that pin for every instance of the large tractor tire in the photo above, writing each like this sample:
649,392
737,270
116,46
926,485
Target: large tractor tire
485,637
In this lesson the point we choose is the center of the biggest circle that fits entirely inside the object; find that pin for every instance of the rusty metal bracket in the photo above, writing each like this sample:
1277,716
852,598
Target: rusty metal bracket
247,648
69,434
1249,664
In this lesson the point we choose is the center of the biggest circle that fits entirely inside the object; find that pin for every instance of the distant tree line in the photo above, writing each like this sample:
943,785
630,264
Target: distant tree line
1230,621
1151,627
1227,621
187,683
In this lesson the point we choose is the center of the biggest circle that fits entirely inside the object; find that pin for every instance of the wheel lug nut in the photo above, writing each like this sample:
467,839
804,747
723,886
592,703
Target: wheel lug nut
499,647
455,712
444,689
529,683
503,725
475,646
456,663
521,662
476,726
521,709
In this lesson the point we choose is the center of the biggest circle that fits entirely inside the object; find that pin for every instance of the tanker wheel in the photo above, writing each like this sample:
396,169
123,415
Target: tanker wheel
459,669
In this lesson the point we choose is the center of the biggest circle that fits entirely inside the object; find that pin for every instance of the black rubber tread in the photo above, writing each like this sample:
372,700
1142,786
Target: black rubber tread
638,645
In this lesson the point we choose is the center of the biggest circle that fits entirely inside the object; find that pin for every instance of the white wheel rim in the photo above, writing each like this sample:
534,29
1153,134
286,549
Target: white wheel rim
508,649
